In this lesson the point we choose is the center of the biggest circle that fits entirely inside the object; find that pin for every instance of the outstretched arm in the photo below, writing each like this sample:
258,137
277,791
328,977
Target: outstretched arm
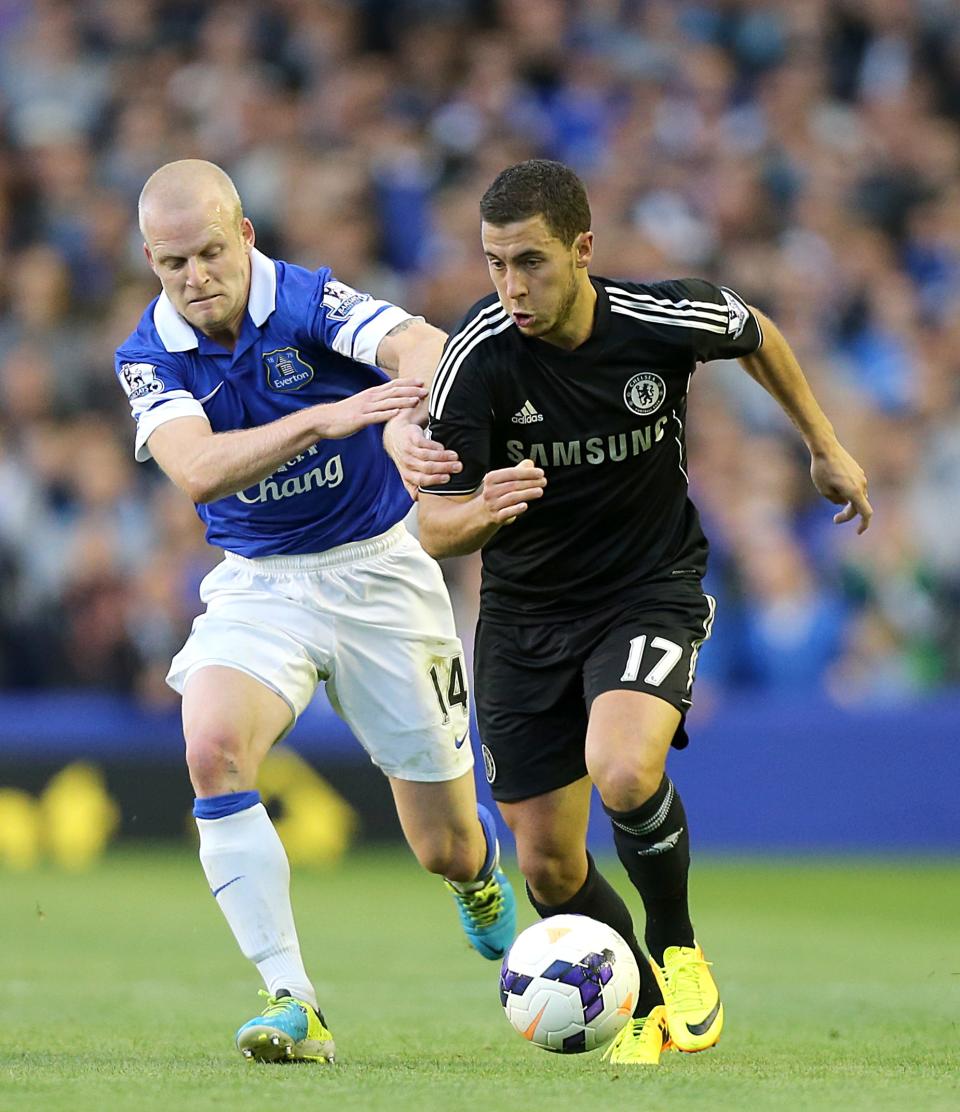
835,473
209,465
412,350
452,525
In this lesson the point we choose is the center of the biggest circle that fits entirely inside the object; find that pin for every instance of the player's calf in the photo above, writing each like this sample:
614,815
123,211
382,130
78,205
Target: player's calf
487,906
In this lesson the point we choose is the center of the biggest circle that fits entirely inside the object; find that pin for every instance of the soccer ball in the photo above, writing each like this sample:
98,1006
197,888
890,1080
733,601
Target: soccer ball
569,984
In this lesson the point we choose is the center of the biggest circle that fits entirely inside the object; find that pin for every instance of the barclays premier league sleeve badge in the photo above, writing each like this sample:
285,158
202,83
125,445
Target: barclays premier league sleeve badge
739,313
139,379
340,300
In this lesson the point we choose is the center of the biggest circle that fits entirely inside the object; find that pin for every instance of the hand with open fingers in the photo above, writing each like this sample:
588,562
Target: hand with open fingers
508,493
420,460
370,407
840,479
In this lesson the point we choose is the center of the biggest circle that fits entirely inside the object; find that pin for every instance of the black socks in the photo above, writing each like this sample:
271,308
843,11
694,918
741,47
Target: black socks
654,847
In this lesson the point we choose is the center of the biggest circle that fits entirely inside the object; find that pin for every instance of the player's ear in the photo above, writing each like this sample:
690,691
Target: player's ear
583,248
247,233
149,255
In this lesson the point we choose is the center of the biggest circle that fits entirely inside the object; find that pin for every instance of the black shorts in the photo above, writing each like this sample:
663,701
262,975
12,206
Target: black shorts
534,685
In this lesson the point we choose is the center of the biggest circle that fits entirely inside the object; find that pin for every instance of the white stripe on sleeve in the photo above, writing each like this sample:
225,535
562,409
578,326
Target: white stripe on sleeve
151,419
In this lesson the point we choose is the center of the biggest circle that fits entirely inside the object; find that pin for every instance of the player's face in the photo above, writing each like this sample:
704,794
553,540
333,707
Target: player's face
541,281
201,255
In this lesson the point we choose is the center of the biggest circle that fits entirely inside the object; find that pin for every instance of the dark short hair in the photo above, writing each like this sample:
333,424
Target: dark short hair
539,187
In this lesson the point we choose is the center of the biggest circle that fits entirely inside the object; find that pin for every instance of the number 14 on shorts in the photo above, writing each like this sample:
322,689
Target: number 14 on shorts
449,685
670,653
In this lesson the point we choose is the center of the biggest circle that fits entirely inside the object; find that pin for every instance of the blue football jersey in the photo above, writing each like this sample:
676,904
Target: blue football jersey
306,339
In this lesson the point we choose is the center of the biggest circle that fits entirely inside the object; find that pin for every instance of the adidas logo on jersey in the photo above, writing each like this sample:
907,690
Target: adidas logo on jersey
527,414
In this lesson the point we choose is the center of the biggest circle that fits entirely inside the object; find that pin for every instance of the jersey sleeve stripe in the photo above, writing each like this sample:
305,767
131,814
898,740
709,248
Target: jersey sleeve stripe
478,323
485,324
442,390
150,420
721,316
685,322
383,316
360,327
140,406
684,303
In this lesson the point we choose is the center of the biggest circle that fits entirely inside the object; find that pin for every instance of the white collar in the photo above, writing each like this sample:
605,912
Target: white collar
177,335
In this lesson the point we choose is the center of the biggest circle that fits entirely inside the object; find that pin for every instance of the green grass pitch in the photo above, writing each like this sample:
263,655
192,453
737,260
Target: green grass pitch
120,989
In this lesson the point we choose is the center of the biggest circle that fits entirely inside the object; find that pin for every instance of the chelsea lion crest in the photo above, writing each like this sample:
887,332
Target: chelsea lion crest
644,393
286,370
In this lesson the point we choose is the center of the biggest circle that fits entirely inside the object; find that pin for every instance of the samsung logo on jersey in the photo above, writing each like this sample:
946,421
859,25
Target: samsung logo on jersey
329,474
595,449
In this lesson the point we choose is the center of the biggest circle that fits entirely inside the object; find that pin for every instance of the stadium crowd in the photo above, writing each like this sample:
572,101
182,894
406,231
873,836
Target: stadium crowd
807,155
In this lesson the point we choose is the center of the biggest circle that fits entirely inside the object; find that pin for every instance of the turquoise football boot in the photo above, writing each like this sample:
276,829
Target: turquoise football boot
488,914
487,906
288,1030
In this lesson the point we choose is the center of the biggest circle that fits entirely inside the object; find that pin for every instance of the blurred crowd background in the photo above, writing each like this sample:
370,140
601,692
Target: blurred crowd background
806,154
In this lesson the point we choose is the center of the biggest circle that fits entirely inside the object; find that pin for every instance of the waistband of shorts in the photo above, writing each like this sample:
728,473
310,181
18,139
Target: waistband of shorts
335,557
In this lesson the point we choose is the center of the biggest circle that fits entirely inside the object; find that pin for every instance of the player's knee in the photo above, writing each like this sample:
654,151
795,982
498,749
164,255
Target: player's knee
625,785
217,761
553,877
441,860
449,855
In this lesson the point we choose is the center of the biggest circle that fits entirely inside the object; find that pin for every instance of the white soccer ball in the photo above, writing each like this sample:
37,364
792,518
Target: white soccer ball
569,984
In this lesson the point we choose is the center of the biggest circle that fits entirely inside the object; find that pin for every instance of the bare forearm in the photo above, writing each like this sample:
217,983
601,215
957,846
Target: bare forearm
210,465
834,472
776,369
454,525
411,350
454,528
226,462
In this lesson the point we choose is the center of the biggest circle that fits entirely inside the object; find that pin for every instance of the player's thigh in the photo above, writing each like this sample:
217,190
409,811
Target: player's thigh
230,714
550,831
652,649
253,626
628,738
398,677
530,709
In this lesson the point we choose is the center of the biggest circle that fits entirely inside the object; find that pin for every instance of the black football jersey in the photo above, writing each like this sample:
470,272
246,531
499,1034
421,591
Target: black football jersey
605,422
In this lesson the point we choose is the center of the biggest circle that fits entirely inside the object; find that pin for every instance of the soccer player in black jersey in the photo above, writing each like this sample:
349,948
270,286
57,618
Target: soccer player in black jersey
564,396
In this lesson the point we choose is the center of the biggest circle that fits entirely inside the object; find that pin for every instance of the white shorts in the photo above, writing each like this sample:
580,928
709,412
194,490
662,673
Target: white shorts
373,620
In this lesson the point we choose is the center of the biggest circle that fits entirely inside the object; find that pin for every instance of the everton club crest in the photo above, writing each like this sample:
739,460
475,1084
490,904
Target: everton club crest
286,370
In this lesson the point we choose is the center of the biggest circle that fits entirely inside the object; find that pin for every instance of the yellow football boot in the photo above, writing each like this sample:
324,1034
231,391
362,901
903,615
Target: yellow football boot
691,997
642,1041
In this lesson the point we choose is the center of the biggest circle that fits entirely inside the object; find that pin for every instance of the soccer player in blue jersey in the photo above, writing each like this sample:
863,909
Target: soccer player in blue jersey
262,390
